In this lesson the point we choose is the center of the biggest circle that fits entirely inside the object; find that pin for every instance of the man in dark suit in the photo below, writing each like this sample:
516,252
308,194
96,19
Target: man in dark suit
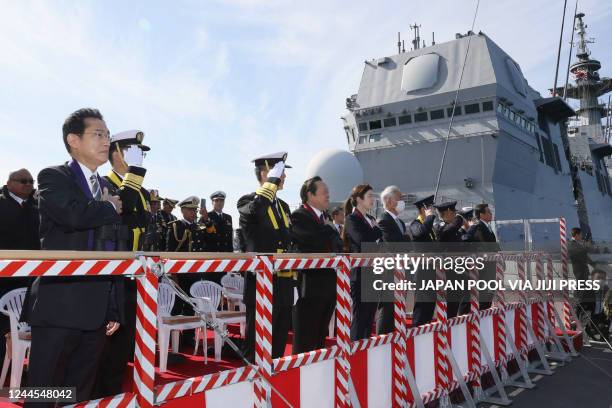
579,255
222,240
480,231
394,231
18,230
421,232
312,231
70,317
264,219
165,217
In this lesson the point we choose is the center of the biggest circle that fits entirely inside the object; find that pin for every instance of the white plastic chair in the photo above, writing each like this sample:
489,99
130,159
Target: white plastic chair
208,296
168,324
233,289
233,286
20,338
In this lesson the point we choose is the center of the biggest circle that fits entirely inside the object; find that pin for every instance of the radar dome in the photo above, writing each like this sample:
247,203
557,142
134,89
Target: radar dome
339,169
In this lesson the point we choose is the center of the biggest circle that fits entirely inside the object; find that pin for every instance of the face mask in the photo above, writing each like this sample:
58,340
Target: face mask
401,205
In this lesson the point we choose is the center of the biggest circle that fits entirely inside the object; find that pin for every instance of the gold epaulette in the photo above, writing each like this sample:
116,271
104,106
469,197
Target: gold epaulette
267,190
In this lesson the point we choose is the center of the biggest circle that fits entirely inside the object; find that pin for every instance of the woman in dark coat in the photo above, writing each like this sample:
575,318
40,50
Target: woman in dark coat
360,228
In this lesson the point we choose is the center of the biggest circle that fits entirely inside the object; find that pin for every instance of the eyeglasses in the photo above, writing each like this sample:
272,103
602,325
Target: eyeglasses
24,181
99,134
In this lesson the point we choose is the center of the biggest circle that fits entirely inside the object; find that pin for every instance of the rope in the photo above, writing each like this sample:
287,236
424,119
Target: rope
450,125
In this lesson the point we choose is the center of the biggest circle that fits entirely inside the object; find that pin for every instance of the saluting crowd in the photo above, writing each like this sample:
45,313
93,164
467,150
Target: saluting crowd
83,328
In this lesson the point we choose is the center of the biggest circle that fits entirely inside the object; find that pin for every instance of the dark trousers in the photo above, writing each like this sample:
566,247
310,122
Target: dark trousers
485,297
65,358
423,312
281,320
118,349
386,322
425,299
362,315
311,316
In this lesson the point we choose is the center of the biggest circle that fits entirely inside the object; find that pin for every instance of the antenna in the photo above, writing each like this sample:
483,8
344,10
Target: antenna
403,46
416,42
399,43
569,57
433,38
554,90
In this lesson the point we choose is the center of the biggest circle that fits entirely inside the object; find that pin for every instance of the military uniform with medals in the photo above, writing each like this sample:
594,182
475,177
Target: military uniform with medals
264,221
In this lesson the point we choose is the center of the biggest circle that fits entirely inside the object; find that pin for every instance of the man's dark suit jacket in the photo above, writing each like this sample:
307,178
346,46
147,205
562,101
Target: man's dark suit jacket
479,232
311,235
68,218
390,230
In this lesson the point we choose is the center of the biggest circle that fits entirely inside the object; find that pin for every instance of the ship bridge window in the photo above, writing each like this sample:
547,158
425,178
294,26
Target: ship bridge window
420,117
375,124
437,114
549,154
472,108
420,72
487,106
363,126
375,137
363,139
390,122
405,119
449,111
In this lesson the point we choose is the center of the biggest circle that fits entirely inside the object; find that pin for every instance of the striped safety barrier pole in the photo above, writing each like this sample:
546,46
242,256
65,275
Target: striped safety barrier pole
263,331
522,309
500,321
564,273
551,300
343,324
400,360
442,367
541,325
473,327
146,337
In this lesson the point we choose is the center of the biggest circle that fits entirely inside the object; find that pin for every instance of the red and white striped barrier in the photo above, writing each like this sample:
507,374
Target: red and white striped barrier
191,386
303,359
396,369
203,266
263,331
343,324
21,268
565,273
146,338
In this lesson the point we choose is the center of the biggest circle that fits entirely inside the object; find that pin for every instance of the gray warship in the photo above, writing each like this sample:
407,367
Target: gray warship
529,156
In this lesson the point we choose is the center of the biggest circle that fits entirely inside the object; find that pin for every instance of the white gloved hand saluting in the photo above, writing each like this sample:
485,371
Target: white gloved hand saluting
133,156
277,170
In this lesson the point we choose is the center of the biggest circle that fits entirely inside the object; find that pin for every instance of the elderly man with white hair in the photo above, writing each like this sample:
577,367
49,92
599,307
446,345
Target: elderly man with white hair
394,230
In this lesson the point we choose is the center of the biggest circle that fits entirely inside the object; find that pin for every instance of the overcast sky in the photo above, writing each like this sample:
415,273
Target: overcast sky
215,83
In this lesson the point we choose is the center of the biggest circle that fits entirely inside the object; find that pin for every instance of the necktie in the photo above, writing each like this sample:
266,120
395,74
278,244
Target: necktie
95,187
322,218
401,226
